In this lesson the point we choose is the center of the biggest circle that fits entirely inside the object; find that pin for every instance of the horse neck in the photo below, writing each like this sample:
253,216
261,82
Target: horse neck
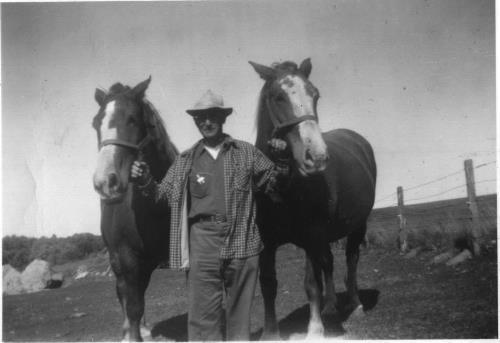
158,161
264,125
161,152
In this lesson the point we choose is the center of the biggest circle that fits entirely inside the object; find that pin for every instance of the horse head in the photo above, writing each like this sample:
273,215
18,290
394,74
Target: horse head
122,135
288,109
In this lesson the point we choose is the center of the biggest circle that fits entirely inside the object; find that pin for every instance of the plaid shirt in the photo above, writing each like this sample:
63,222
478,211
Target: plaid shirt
245,167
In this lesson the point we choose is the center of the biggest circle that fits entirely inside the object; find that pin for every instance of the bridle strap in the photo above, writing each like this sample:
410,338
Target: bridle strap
295,121
138,147
280,127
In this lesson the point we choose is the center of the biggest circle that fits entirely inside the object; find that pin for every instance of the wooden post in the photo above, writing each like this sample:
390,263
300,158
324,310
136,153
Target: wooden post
473,232
403,232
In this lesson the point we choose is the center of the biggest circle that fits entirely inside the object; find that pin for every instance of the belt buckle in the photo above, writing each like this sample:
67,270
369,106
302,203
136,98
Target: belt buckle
219,218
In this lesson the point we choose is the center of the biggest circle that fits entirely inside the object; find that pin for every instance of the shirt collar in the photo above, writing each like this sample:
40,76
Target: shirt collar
197,148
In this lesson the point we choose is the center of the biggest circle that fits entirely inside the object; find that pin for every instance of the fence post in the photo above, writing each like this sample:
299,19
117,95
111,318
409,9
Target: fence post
473,231
403,232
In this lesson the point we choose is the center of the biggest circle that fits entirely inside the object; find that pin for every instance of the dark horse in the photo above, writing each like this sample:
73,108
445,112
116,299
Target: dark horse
330,195
136,235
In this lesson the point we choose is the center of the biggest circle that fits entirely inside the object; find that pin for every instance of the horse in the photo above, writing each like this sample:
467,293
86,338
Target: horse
330,193
135,233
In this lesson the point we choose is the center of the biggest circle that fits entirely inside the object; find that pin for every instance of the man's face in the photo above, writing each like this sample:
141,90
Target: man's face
210,124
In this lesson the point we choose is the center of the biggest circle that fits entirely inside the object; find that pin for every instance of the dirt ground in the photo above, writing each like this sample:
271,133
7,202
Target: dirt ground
403,299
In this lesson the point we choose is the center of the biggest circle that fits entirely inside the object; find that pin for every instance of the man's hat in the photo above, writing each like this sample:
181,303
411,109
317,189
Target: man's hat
210,102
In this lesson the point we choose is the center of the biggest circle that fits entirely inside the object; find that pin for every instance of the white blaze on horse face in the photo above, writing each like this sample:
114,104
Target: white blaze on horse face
308,146
302,102
106,131
106,165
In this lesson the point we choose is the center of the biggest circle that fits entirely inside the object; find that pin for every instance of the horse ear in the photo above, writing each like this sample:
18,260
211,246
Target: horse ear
99,96
305,67
140,89
266,73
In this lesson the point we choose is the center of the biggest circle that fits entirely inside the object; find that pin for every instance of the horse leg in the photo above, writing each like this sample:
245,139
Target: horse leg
121,291
314,286
330,298
137,284
268,286
132,279
352,256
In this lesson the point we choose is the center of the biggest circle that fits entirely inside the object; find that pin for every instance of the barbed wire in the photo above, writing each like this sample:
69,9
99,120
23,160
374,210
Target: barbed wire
434,181
449,190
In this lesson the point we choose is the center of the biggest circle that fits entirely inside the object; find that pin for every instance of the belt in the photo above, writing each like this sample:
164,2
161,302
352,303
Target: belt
216,218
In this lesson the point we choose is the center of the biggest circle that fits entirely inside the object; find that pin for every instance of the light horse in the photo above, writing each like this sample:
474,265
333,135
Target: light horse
330,194
134,232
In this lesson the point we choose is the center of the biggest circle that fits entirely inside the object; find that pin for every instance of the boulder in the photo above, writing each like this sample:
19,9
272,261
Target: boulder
81,272
12,283
36,276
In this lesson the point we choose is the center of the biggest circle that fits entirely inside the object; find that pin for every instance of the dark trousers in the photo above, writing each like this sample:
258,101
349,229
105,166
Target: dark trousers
212,280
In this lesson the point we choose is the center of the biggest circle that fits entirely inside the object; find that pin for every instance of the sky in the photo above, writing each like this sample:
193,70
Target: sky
415,77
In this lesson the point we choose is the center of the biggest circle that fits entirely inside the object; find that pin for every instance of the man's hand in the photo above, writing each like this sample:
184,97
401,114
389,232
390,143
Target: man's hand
139,173
277,149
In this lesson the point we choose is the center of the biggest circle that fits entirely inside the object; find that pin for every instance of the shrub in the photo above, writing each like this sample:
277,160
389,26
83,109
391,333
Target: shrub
19,251
16,251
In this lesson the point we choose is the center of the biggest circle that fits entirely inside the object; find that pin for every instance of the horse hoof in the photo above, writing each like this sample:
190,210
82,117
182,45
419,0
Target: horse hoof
145,332
314,336
315,332
270,336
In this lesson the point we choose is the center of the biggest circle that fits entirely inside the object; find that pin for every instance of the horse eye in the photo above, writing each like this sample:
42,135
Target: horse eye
279,97
131,121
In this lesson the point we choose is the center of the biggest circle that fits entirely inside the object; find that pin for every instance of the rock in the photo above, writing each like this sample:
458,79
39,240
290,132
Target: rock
442,257
12,283
36,276
463,256
412,253
77,315
81,272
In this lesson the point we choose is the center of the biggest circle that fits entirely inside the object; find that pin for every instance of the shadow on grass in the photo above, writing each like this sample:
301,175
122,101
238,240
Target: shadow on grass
174,328
295,323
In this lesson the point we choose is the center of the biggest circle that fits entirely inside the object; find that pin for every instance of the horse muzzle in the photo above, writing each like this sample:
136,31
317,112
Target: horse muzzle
110,188
312,164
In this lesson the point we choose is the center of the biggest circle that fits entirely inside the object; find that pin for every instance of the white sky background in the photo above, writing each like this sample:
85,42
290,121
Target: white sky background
416,78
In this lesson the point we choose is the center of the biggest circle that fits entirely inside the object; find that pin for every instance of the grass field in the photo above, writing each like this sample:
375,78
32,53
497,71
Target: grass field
404,298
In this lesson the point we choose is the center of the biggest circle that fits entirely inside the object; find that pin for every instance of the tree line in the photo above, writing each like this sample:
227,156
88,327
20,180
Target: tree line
19,251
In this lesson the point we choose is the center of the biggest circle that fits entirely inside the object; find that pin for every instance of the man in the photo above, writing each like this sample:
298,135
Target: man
210,191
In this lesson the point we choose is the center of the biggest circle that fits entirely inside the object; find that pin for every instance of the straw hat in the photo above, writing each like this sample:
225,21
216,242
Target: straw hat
210,102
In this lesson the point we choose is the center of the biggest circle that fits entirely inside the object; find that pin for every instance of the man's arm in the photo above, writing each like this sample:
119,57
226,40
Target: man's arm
156,193
271,177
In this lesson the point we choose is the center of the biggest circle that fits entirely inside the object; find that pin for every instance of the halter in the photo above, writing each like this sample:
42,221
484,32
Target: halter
137,147
280,127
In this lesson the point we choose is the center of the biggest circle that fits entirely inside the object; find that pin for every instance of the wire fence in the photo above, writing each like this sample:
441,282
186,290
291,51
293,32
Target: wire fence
434,223
439,179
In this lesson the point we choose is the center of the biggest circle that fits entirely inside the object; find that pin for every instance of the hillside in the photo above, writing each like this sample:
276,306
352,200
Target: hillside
432,224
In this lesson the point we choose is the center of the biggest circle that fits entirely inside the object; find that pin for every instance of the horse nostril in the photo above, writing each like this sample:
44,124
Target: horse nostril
308,155
112,180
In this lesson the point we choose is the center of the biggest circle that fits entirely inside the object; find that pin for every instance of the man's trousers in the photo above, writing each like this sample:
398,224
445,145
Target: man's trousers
213,281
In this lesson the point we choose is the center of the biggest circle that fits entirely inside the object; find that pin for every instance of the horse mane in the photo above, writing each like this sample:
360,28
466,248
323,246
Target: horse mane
117,88
263,120
164,147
